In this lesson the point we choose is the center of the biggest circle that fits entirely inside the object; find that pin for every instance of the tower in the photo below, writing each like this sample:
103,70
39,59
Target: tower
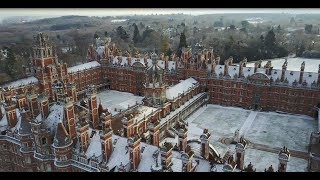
93,106
21,98
72,91
83,134
135,153
32,99
62,148
127,127
42,138
240,150
155,87
187,158
46,65
154,133
182,133
70,117
284,156
11,113
166,155
106,142
205,143
25,134
44,105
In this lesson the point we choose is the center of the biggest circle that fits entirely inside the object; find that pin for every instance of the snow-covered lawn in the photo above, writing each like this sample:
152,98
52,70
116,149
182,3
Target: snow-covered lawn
278,130
263,159
221,121
115,99
266,128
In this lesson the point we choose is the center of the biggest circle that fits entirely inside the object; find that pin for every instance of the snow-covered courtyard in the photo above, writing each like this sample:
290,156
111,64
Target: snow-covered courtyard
116,100
263,159
268,129
278,130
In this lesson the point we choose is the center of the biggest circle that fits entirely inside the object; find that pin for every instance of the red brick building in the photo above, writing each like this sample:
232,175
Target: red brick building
51,121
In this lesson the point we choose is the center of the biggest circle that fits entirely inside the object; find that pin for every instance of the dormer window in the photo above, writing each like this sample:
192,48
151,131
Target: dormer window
220,67
291,73
234,68
275,72
249,69
310,75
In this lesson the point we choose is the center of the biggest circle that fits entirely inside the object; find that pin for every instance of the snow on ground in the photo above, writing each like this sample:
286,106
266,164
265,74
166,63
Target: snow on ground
221,122
115,99
247,124
266,128
294,64
278,130
262,159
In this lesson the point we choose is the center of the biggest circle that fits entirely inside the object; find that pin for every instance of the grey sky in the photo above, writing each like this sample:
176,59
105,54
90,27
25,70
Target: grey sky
142,11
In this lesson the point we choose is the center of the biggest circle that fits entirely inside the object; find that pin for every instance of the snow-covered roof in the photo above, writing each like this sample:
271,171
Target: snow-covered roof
143,111
100,50
21,82
294,64
183,86
120,154
147,158
94,146
124,60
84,66
161,64
112,100
55,116
171,65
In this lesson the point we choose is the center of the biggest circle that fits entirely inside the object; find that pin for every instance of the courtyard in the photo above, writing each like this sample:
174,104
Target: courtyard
266,133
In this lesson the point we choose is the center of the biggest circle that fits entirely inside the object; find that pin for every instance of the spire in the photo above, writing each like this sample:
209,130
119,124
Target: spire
154,58
62,137
25,126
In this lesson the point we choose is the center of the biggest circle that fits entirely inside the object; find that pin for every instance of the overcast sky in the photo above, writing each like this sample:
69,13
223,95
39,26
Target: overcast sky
142,11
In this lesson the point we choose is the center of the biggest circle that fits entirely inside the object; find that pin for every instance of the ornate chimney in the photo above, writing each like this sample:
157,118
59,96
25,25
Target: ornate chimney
284,68
284,156
301,72
205,143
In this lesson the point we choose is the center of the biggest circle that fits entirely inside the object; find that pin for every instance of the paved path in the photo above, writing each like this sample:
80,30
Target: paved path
247,124
276,150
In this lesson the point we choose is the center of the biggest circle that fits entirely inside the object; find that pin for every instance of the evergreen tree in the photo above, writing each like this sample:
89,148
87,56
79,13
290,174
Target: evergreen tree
136,34
95,36
13,65
165,45
245,24
183,41
308,28
270,40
